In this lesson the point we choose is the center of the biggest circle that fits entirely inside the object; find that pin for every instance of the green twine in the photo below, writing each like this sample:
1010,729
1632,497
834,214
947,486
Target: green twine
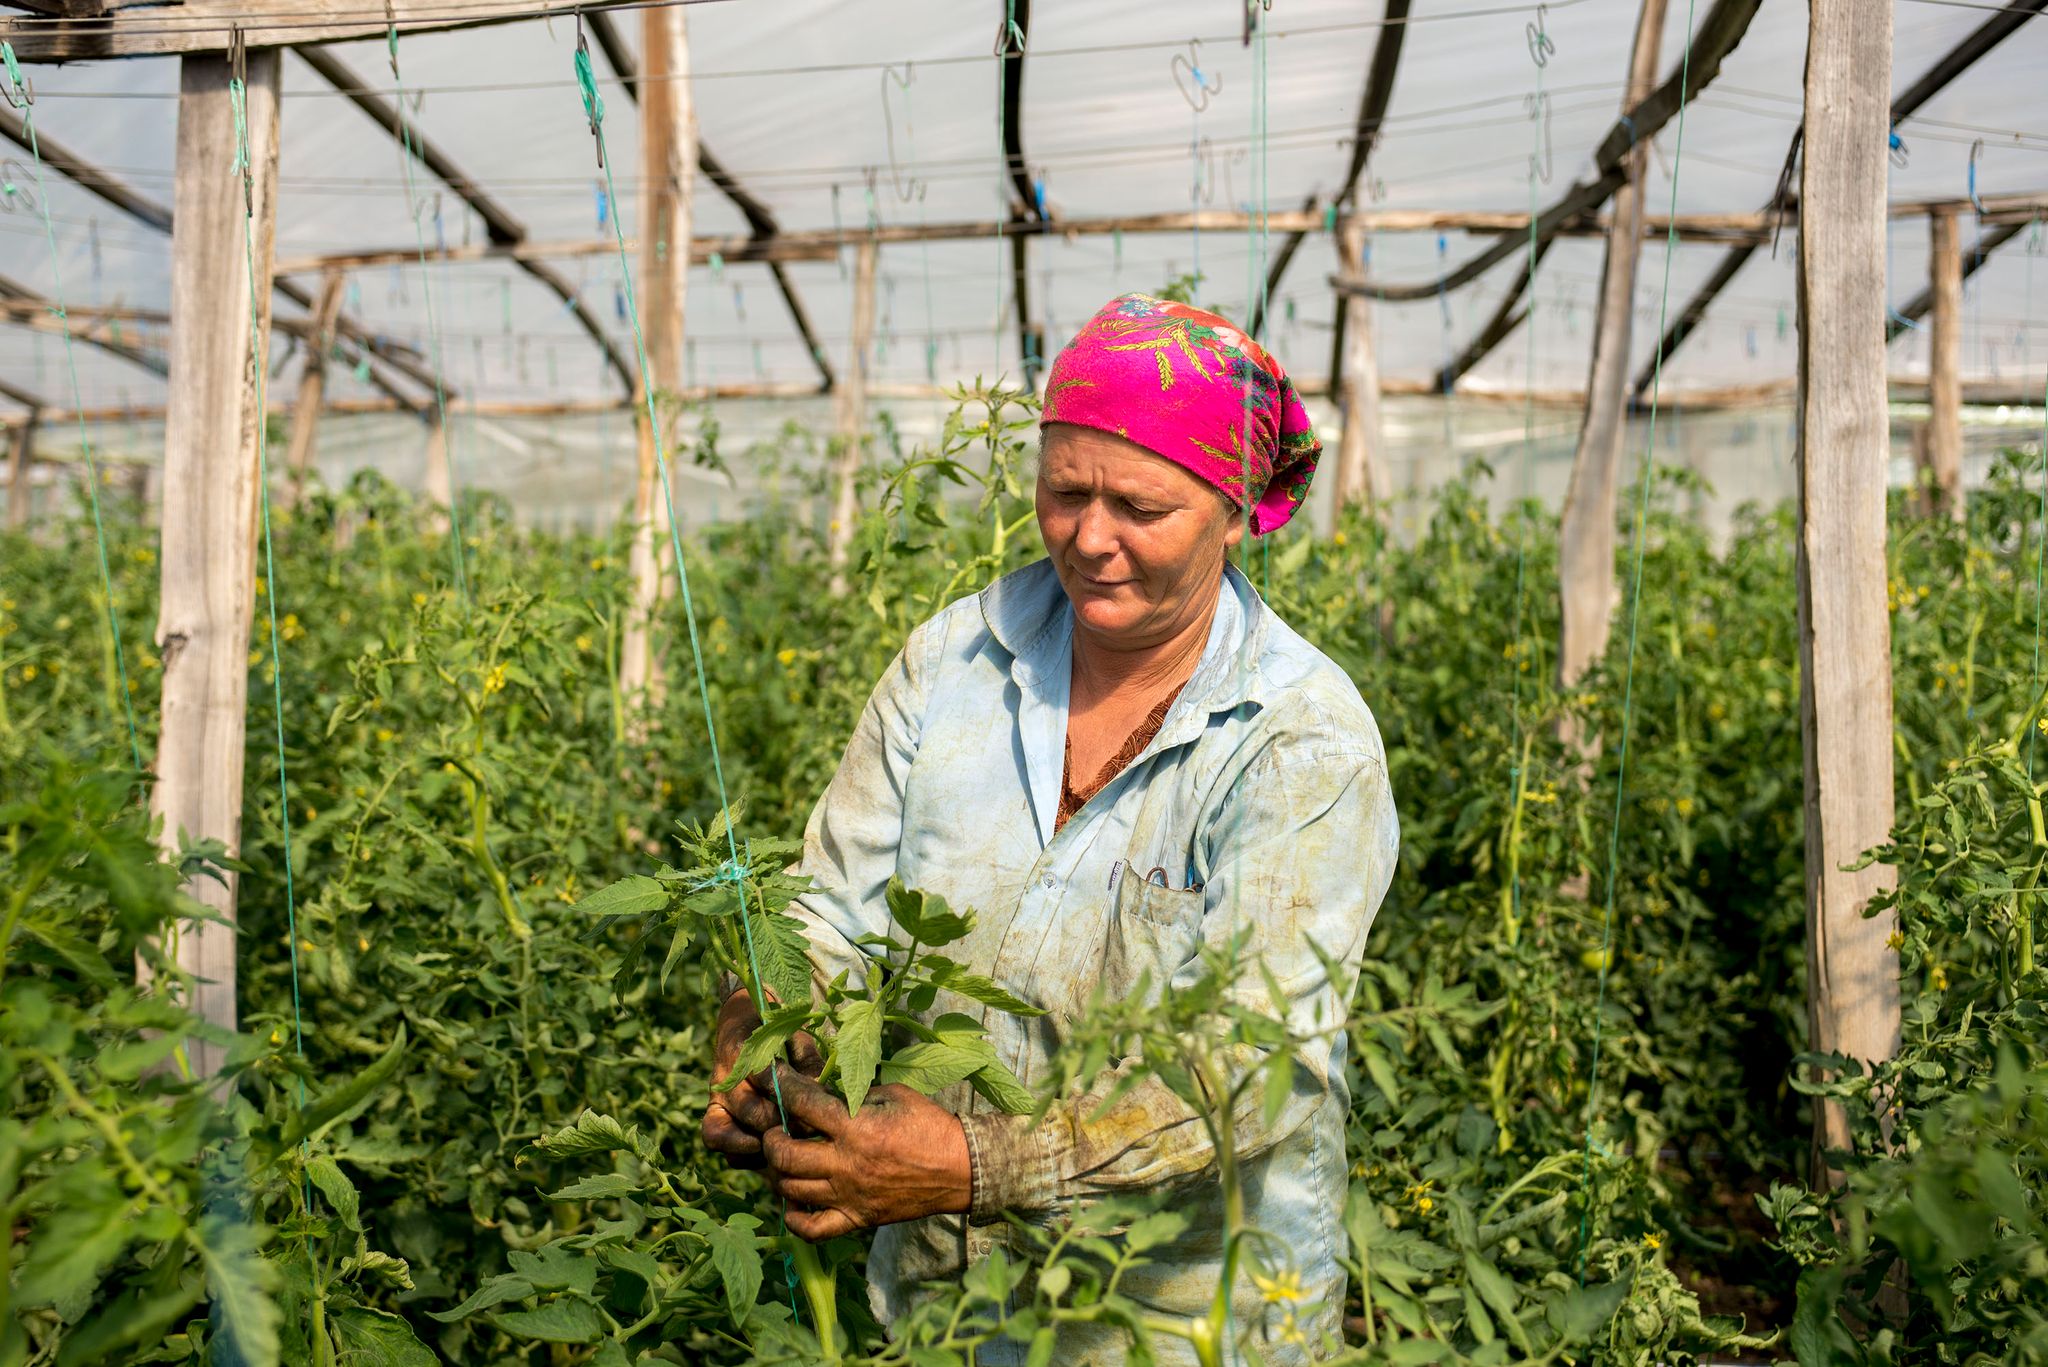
1629,676
2041,550
434,328
594,108
92,472
239,98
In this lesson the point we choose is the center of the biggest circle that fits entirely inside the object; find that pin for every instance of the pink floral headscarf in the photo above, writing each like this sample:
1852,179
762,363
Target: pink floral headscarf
1185,384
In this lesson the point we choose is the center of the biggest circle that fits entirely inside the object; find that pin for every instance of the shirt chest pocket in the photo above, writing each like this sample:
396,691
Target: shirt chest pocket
1153,930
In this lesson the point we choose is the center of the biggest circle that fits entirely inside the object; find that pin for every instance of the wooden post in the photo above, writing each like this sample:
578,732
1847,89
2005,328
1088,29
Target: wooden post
668,150
1361,460
851,416
437,484
1944,367
312,384
1585,553
20,455
211,429
1845,682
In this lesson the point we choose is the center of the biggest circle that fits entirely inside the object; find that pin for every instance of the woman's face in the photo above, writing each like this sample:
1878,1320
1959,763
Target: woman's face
1137,541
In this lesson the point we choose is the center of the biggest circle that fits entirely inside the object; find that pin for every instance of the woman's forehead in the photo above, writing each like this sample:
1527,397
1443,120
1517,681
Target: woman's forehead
1097,457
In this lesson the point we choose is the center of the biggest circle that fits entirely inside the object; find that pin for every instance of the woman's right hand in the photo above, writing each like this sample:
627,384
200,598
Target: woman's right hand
735,1120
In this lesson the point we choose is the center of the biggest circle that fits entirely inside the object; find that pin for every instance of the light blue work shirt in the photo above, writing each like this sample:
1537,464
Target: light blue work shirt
1262,802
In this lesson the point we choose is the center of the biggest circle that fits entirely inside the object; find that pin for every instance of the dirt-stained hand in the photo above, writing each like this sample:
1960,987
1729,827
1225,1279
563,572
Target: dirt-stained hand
735,1121
902,1158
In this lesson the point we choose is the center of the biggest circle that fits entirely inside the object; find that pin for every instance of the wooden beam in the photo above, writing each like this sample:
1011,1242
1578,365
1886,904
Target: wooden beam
1718,35
1372,114
42,315
312,384
850,420
1845,682
761,222
1952,64
1585,539
125,30
668,159
503,229
1361,460
113,190
211,432
1945,367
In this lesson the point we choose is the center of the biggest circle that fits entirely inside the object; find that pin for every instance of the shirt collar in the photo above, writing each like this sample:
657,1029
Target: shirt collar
1028,614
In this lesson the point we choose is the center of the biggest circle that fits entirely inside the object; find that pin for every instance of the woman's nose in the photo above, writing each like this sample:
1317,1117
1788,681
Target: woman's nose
1095,532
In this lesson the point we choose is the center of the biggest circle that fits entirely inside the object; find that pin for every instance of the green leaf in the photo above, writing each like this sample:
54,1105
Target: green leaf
497,1291
735,1255
555,1268
782,954
1279,1084
594,1132
338,1102
634,895
1585,1310
1041,1347
374,1338
929,1067
596,1187
1000,1088
563,1321
765,1045
67,1252
130,1059
973,986
1499,1294
238,1282
858,1047
327,1175
926,917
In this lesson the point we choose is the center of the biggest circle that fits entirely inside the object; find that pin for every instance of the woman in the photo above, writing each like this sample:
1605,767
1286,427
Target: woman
1115,755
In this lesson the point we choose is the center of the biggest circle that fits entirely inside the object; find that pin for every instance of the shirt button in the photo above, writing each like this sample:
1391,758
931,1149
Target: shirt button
1048,885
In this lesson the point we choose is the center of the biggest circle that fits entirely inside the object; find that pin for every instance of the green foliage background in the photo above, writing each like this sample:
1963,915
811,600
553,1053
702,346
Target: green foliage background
490,1152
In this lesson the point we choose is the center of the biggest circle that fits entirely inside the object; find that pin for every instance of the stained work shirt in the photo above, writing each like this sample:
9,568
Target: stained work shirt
1263,804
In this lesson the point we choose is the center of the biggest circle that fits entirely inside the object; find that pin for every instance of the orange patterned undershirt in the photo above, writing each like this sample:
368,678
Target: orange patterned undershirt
1073,799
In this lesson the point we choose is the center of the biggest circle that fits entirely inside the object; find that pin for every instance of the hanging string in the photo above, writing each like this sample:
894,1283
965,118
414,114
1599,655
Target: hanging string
2041,537
238,96
22,97
735,870
1628,687
414,206
907,190
1198,90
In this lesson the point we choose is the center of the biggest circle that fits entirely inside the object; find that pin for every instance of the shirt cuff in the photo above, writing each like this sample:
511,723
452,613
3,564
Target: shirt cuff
1013,1163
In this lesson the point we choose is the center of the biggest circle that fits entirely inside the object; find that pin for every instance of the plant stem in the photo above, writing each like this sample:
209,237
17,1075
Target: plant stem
821,1293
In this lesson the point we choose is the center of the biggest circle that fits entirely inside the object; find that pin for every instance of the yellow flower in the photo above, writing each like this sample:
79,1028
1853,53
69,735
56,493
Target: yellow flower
28,673
254,656
1425,1205
386,735
667,788
345,616
1938,978
495,680
1282,1288
598,563
1337,538
1895,941
312,813
419,600
363,943
1684,806
1653,1242
583,643
786,655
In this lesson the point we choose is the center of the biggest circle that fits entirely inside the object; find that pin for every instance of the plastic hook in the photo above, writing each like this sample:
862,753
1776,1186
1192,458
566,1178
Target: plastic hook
21,91
914,187
1541,48
1537,105
1204,90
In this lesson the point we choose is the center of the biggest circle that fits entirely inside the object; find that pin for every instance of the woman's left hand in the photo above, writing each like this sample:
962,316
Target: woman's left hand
902,1158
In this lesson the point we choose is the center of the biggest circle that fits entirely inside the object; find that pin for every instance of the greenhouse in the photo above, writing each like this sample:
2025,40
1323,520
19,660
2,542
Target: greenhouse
686,681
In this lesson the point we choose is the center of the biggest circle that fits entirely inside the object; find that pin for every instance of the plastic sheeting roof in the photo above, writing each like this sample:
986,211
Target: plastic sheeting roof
790,96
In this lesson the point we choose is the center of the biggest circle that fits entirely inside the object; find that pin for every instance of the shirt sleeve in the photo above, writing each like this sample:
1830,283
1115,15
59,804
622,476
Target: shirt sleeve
851,839
1301,849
